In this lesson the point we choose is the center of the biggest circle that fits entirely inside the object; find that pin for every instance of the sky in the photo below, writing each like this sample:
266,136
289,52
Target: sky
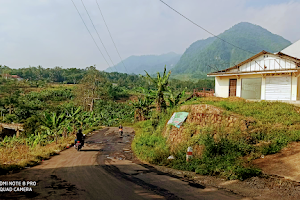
51,33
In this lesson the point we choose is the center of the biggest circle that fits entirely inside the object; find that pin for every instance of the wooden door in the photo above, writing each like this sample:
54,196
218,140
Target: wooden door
232,87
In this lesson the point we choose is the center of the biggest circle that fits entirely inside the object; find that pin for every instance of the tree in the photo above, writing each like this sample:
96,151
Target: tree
161,83
93,86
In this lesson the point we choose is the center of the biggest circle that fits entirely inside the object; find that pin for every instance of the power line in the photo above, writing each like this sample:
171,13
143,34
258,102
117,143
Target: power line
98,35
111,36
205,29
90,33
212,67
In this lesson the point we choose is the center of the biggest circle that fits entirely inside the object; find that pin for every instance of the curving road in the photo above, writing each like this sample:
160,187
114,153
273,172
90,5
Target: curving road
106,169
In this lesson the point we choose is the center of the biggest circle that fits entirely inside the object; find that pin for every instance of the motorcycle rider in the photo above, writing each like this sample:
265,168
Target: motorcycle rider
79,137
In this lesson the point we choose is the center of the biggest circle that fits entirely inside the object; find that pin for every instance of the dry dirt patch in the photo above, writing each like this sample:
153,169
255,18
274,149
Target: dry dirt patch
286,163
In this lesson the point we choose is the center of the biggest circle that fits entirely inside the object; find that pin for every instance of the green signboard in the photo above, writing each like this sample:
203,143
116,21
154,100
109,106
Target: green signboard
178,118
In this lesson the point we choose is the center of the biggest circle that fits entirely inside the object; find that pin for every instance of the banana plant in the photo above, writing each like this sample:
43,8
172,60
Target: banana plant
173,98
80,119
71,123
52,122
142,107
72,114
161,83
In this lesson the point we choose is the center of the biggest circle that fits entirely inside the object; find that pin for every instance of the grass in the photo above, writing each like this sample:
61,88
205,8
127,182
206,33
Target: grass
264,111
148,145
17,155
224,153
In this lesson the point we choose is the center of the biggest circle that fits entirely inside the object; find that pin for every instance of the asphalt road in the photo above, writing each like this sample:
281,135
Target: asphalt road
106,169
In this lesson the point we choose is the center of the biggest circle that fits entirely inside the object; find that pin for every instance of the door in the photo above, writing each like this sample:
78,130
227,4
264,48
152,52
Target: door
232,87
278,88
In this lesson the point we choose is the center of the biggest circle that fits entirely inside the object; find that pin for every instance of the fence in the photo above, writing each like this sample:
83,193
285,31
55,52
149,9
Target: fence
204,92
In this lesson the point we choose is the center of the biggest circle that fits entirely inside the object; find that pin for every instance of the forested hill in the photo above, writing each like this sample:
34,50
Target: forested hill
150,63
220,55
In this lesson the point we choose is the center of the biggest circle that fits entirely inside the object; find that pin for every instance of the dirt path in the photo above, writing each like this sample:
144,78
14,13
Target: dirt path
104,170
286,163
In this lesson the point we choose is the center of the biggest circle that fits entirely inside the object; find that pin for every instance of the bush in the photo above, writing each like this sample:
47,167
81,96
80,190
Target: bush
9,118
31,124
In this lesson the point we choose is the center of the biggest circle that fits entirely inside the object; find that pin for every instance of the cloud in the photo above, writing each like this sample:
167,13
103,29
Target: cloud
280,19
50,32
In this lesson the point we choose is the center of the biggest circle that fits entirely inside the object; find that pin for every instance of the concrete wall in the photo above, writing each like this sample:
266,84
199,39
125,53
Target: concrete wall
294,88
222,86
239,87
298,88
263,88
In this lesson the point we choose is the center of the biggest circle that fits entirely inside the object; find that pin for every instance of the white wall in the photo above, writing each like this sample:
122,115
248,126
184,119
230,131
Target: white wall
239,87
263,88
221,86
294,88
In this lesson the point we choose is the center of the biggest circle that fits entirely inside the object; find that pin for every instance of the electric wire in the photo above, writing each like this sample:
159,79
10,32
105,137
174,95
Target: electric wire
111,37
98,35
204,28
90,33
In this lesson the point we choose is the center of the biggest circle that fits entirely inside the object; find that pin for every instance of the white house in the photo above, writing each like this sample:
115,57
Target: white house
264,76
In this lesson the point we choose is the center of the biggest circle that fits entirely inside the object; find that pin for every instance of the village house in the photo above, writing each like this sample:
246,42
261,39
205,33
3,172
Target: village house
8,76
264,76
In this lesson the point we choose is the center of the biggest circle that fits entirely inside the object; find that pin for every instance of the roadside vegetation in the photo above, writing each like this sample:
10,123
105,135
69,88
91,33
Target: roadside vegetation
52,104
224,153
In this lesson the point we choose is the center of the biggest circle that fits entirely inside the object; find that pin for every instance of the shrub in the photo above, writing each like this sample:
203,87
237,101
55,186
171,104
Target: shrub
9,118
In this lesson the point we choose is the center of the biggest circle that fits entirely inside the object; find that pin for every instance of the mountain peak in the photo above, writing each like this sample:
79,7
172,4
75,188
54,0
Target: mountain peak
208,55
244,24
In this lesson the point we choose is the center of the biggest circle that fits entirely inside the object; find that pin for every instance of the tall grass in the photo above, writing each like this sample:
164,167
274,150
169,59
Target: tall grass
149,145
15,154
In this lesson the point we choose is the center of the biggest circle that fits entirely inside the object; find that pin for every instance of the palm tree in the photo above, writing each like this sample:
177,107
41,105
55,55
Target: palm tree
161,84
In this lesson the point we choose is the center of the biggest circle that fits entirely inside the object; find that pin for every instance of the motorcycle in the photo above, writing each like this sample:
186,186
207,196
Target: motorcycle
120,131
78,145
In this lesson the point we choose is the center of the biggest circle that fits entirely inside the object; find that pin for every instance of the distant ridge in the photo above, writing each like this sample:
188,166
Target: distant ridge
150,63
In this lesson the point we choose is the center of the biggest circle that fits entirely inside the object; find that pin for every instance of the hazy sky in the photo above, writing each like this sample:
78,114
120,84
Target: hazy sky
51,33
